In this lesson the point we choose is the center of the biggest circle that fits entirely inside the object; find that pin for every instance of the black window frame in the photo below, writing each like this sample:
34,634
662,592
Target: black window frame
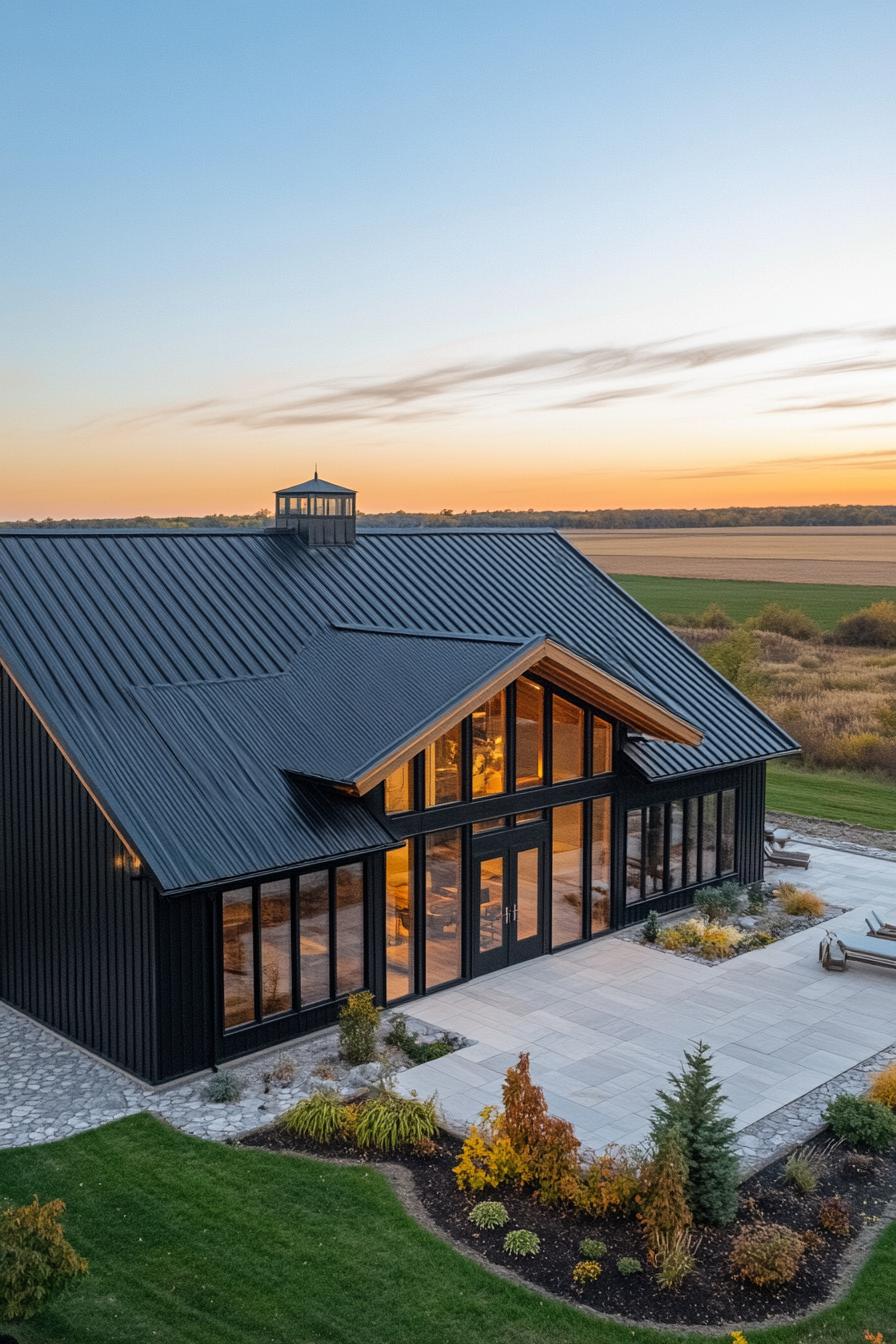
297,1006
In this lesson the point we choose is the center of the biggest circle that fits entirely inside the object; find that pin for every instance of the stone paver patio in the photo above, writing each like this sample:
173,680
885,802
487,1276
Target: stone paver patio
604,1023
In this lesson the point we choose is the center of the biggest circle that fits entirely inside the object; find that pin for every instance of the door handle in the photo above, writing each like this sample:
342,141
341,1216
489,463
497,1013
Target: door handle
514,911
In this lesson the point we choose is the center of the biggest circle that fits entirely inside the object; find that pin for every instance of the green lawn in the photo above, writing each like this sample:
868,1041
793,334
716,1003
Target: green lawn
825,603
196,1243
831,794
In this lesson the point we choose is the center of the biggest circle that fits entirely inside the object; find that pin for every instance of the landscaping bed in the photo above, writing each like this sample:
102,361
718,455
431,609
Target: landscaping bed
661,1232
710,1295
730,920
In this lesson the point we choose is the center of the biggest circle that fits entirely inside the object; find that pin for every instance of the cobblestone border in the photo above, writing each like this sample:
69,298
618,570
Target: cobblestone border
800,1120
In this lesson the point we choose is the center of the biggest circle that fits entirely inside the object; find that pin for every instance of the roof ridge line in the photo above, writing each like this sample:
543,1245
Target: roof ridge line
418,632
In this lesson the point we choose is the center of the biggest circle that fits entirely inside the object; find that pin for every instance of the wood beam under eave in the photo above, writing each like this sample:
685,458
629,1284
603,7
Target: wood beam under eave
568,672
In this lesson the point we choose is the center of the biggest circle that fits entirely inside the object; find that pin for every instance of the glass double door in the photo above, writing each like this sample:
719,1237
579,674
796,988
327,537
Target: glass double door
507,904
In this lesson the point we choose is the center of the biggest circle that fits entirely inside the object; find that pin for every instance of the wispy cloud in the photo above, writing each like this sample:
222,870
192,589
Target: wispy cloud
879,459
529,381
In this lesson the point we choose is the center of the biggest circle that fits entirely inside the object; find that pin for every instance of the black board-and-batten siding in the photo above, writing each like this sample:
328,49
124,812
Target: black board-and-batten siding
77,929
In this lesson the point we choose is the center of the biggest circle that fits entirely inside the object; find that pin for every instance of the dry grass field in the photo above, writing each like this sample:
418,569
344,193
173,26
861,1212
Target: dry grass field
826,555
839,703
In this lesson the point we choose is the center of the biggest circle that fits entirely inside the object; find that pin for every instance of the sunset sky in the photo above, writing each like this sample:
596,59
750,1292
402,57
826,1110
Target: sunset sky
484,254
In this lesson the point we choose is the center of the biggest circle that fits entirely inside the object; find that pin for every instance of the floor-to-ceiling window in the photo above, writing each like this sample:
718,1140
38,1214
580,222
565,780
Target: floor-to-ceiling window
400,922
601,841
314,936
671,846
567,854
443,907
348,896
307,930
275,909
238,956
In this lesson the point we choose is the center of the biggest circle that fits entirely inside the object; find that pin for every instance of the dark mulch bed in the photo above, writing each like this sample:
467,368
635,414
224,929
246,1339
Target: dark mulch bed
710,1296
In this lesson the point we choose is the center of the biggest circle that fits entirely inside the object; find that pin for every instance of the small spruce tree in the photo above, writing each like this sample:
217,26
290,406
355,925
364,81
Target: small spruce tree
692,1108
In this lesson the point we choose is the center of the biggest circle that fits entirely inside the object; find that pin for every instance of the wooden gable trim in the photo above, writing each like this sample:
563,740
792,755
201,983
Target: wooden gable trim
563,669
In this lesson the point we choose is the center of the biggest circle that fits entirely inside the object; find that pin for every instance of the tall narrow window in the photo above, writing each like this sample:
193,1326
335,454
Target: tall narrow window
568,740
443,759
709,856
676,846
489,739
400,788
600,865
442,907
529,734
633,856
349,927
601,746
275,907
692,840
238,940
726,832
656,849
566,874
399,922
314,937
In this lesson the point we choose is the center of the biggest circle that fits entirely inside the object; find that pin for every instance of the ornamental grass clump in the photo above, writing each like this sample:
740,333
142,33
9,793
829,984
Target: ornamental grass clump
767,1254
35,1258
795,900
861,1123
692,1111
491,1213
323,1118
720,941
359,1020
388,1122
522,1242
675,1256
803,1169
883,1087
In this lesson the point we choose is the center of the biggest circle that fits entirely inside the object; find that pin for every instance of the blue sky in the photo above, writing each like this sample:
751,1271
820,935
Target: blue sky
231,205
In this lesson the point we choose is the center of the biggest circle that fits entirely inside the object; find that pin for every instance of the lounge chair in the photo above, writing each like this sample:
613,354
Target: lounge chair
879,928
786,858
836,951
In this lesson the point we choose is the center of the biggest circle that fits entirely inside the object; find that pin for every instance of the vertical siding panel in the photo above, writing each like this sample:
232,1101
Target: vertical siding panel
77,932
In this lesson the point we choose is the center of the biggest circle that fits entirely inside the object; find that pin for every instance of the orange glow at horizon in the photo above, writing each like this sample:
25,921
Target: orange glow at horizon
136,487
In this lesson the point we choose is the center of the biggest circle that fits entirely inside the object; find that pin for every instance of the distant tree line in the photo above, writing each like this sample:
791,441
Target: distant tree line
773,515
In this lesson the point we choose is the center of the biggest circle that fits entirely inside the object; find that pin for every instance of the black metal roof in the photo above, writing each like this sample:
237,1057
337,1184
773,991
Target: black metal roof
187,675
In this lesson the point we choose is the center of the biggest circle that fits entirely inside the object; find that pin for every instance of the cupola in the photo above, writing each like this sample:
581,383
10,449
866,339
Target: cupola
321,513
